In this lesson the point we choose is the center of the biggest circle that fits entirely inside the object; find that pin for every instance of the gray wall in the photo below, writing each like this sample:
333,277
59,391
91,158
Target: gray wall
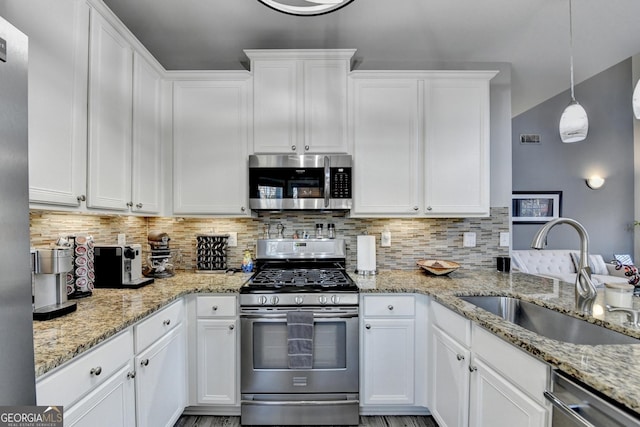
607,213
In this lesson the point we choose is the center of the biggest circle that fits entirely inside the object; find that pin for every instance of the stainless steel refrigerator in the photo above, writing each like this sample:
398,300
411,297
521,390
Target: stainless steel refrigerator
17,373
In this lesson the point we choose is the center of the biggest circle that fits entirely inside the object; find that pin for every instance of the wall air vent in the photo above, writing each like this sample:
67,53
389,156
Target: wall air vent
529,138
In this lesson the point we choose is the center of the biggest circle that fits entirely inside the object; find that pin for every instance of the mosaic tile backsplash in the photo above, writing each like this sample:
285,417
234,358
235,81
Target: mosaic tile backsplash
412,239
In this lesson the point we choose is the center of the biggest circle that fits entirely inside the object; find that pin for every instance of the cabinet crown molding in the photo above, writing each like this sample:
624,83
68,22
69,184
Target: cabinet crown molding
254,54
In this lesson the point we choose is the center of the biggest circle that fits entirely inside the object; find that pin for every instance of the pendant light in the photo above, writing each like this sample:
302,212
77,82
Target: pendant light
574,123
305,7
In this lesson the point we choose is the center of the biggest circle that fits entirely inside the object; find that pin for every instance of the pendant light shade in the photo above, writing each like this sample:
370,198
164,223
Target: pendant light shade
574,123
636,101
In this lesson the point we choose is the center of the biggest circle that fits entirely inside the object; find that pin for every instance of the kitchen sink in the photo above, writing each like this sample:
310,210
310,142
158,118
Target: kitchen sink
547,322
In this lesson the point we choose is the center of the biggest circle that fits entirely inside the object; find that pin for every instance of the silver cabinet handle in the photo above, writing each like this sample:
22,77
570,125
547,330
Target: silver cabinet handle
368,326
472,368
144,362
214,308
242,209
390,307
293,148
459,357
429,208
96,371
306,148
81,198
231,327
139,206
166,322
415,208
129,204
131,375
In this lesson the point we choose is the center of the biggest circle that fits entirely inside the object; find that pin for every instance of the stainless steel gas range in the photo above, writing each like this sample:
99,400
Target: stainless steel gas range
299,320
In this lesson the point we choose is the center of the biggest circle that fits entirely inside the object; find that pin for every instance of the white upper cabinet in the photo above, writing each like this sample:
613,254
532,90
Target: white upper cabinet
421,143
456,156
210,146
387,146
58,56
147,147
300,100
110,112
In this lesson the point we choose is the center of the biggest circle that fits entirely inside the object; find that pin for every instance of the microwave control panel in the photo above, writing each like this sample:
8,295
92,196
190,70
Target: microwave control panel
340,183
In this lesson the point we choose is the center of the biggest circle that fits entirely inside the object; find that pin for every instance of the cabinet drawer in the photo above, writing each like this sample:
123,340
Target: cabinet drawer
216,306
389,305
458,327
156,325
527,373
77,377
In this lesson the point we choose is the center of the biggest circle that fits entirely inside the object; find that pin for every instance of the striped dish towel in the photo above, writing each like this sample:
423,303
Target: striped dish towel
300,339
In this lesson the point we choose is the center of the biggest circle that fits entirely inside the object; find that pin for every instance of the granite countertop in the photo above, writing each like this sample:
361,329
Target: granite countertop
611,369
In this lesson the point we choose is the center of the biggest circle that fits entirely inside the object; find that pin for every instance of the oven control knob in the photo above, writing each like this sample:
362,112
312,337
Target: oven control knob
262,300
322,299
298,300
335,299
274,300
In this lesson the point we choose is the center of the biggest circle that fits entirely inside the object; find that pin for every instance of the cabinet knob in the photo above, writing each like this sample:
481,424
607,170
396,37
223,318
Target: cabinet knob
214,308
144,362
368,326
415,208
139,206
166,322
472,368
231,327
96,371
459,357
131,375
306,148
293,148
429,208
390,307
81,198
129,204
242,209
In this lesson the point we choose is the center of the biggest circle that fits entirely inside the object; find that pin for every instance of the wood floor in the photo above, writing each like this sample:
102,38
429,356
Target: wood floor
405,421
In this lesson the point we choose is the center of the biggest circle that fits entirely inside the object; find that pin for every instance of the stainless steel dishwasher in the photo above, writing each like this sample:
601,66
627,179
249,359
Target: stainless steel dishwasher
574,405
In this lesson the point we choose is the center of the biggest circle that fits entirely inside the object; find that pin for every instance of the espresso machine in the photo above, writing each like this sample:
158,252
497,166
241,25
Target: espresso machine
49,282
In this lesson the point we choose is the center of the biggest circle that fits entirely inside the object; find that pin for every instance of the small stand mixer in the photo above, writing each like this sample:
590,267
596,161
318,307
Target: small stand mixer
161,262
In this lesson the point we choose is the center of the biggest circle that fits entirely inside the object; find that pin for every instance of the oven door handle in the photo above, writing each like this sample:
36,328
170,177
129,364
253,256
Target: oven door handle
341,315
299,402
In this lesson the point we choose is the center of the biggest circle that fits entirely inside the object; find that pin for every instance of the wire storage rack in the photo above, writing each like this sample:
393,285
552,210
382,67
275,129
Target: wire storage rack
211,253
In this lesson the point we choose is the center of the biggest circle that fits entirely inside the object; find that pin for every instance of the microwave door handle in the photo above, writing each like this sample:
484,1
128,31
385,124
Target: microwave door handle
327,181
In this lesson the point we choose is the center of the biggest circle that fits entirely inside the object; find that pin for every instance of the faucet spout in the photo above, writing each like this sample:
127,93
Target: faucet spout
585,289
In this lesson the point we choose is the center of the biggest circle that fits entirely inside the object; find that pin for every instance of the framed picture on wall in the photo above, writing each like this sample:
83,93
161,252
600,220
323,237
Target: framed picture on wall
536,207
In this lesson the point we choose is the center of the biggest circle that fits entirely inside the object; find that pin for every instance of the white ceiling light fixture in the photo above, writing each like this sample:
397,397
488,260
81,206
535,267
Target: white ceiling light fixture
574,123
636,101
305,7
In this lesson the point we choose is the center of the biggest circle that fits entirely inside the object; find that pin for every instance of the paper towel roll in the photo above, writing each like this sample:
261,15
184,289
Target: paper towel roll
366,254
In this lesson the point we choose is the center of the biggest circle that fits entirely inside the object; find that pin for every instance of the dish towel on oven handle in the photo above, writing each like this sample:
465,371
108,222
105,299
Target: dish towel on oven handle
300,339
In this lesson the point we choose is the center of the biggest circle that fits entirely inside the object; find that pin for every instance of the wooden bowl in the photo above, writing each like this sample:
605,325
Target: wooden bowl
438,267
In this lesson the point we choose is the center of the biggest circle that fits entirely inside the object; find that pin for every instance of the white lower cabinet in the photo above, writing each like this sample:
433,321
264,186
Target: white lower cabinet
160,381
479,380
391,344
110,404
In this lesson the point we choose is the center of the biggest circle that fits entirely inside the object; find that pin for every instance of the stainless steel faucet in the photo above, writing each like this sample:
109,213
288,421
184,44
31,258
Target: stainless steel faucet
585,289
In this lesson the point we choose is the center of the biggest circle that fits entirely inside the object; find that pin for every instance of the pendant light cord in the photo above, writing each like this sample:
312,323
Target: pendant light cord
573,98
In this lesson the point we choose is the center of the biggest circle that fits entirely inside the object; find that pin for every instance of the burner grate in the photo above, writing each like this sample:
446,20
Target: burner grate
301,277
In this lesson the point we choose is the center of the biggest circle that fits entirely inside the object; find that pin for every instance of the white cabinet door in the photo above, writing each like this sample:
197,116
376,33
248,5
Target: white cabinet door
386,146
58,67
449,381
496,402
161,381
210,147
147,149
217,361
110,105
110,404
388,362
456,164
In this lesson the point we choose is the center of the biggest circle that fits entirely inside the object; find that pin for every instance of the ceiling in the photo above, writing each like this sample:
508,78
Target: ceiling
531,35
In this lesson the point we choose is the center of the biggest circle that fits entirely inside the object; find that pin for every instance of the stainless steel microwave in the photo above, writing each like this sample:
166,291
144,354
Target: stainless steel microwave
300,182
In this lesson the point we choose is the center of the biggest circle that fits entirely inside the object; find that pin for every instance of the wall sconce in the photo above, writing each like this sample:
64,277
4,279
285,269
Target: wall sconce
595,182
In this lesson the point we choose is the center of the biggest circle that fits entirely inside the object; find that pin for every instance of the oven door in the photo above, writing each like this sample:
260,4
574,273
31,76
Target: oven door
264,362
